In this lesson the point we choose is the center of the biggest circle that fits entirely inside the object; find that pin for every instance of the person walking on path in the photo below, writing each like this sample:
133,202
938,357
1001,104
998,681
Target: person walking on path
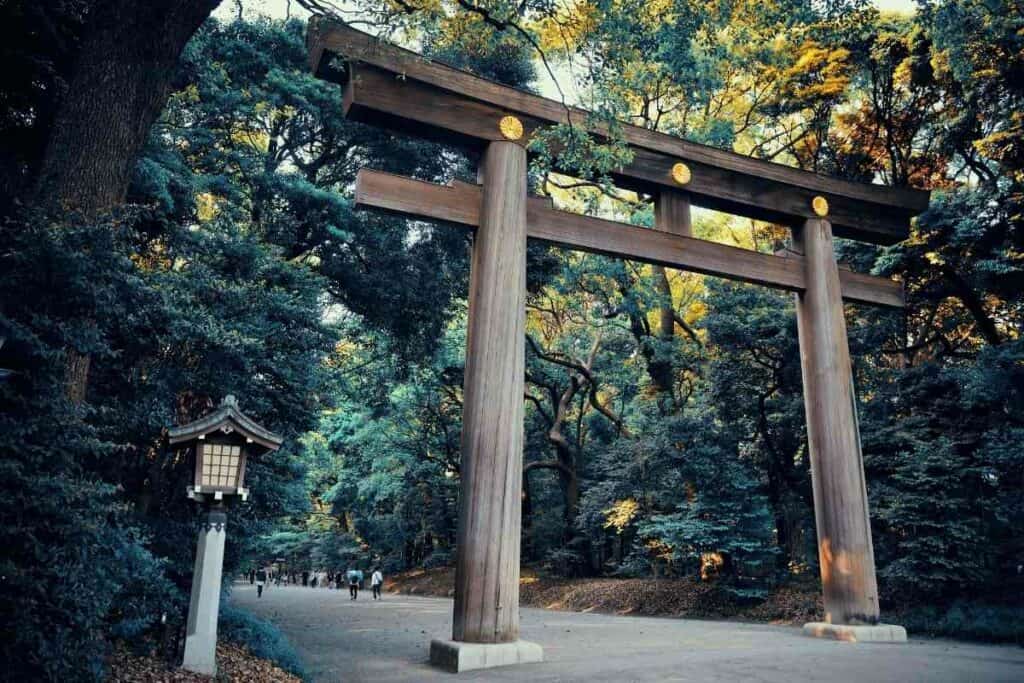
353,583
376,581
261,580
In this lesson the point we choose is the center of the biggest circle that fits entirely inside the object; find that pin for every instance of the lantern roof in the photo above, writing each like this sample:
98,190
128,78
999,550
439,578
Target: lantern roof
227,418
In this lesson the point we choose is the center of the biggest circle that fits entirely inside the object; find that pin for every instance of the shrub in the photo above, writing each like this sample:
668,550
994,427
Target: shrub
262,638
968,621
77,565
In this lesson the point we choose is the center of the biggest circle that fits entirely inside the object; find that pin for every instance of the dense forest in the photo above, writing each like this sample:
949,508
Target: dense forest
665,430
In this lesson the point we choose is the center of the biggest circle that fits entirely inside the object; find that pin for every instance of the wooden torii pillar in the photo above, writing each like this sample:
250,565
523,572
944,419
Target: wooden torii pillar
388,86
488,536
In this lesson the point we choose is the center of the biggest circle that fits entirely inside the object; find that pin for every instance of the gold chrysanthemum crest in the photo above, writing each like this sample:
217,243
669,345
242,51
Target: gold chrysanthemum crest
820,206
511,127
681,173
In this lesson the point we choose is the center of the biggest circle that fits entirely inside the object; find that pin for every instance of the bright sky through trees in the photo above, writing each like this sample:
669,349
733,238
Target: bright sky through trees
280,9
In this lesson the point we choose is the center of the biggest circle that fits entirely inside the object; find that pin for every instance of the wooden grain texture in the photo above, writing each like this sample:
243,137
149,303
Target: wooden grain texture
460,203
391,86
487,543
672,213
837,472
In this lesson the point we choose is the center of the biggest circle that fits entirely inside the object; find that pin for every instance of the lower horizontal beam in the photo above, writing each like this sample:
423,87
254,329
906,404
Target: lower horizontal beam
460,203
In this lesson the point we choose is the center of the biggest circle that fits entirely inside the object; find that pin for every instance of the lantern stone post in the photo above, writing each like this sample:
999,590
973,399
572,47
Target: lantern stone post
221,443
204,605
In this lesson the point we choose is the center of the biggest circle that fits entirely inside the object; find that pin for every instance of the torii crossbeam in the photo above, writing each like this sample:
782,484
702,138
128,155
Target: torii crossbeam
387,86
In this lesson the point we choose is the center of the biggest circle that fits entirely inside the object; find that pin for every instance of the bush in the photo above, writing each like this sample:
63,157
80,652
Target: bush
262,638
77,565
439,558
967,621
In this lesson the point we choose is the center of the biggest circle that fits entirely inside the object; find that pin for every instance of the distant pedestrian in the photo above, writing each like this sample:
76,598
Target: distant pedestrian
252,576
261,580
353,583
376,581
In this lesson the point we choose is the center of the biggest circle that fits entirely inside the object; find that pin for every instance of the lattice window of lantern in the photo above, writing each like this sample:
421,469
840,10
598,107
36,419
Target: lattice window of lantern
220,465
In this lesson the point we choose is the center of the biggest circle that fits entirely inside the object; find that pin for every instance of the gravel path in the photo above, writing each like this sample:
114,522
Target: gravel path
344,640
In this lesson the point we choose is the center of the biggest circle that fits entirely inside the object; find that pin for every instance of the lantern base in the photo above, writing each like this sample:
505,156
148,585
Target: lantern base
197,494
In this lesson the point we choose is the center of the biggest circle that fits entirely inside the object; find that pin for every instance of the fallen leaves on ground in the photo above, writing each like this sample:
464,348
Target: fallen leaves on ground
794,603
234,664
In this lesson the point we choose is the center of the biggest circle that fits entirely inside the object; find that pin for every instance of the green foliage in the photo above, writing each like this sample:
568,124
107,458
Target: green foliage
262,638
391,463
724,509
967,620
265,145
76,563
943,474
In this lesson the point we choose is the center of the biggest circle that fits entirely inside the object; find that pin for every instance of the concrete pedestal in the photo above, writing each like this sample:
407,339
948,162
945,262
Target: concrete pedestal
878,633
204,607
456,656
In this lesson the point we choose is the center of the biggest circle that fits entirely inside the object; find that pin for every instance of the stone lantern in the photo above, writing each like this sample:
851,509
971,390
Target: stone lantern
220,444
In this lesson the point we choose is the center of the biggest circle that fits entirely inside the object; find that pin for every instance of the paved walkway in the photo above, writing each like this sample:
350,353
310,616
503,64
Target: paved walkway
342,640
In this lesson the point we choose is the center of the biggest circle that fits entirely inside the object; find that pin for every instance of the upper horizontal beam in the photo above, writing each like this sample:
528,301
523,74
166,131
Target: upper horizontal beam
387,85
460,203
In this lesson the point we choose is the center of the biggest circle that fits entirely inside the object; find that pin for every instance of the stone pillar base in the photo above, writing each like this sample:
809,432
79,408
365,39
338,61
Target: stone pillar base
456,656
879,633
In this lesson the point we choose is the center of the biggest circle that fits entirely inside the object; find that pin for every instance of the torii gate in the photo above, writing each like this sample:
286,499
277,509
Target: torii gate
387,86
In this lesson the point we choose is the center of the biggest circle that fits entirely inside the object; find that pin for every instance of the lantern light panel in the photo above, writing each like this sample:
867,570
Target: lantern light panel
220,465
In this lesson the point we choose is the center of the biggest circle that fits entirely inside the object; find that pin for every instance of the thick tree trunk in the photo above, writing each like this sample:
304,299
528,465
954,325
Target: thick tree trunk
569,483
120,84
121,81
974,305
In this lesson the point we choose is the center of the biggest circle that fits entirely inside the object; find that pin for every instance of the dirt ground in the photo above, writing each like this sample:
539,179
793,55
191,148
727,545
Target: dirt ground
234,664
797,603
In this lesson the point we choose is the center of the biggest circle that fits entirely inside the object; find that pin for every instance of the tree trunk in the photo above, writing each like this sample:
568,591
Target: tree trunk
527,530
120,83
571,495
119,86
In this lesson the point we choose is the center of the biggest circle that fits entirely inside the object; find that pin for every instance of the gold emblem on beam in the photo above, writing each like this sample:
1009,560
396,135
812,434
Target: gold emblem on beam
681,173
511,127
820,206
